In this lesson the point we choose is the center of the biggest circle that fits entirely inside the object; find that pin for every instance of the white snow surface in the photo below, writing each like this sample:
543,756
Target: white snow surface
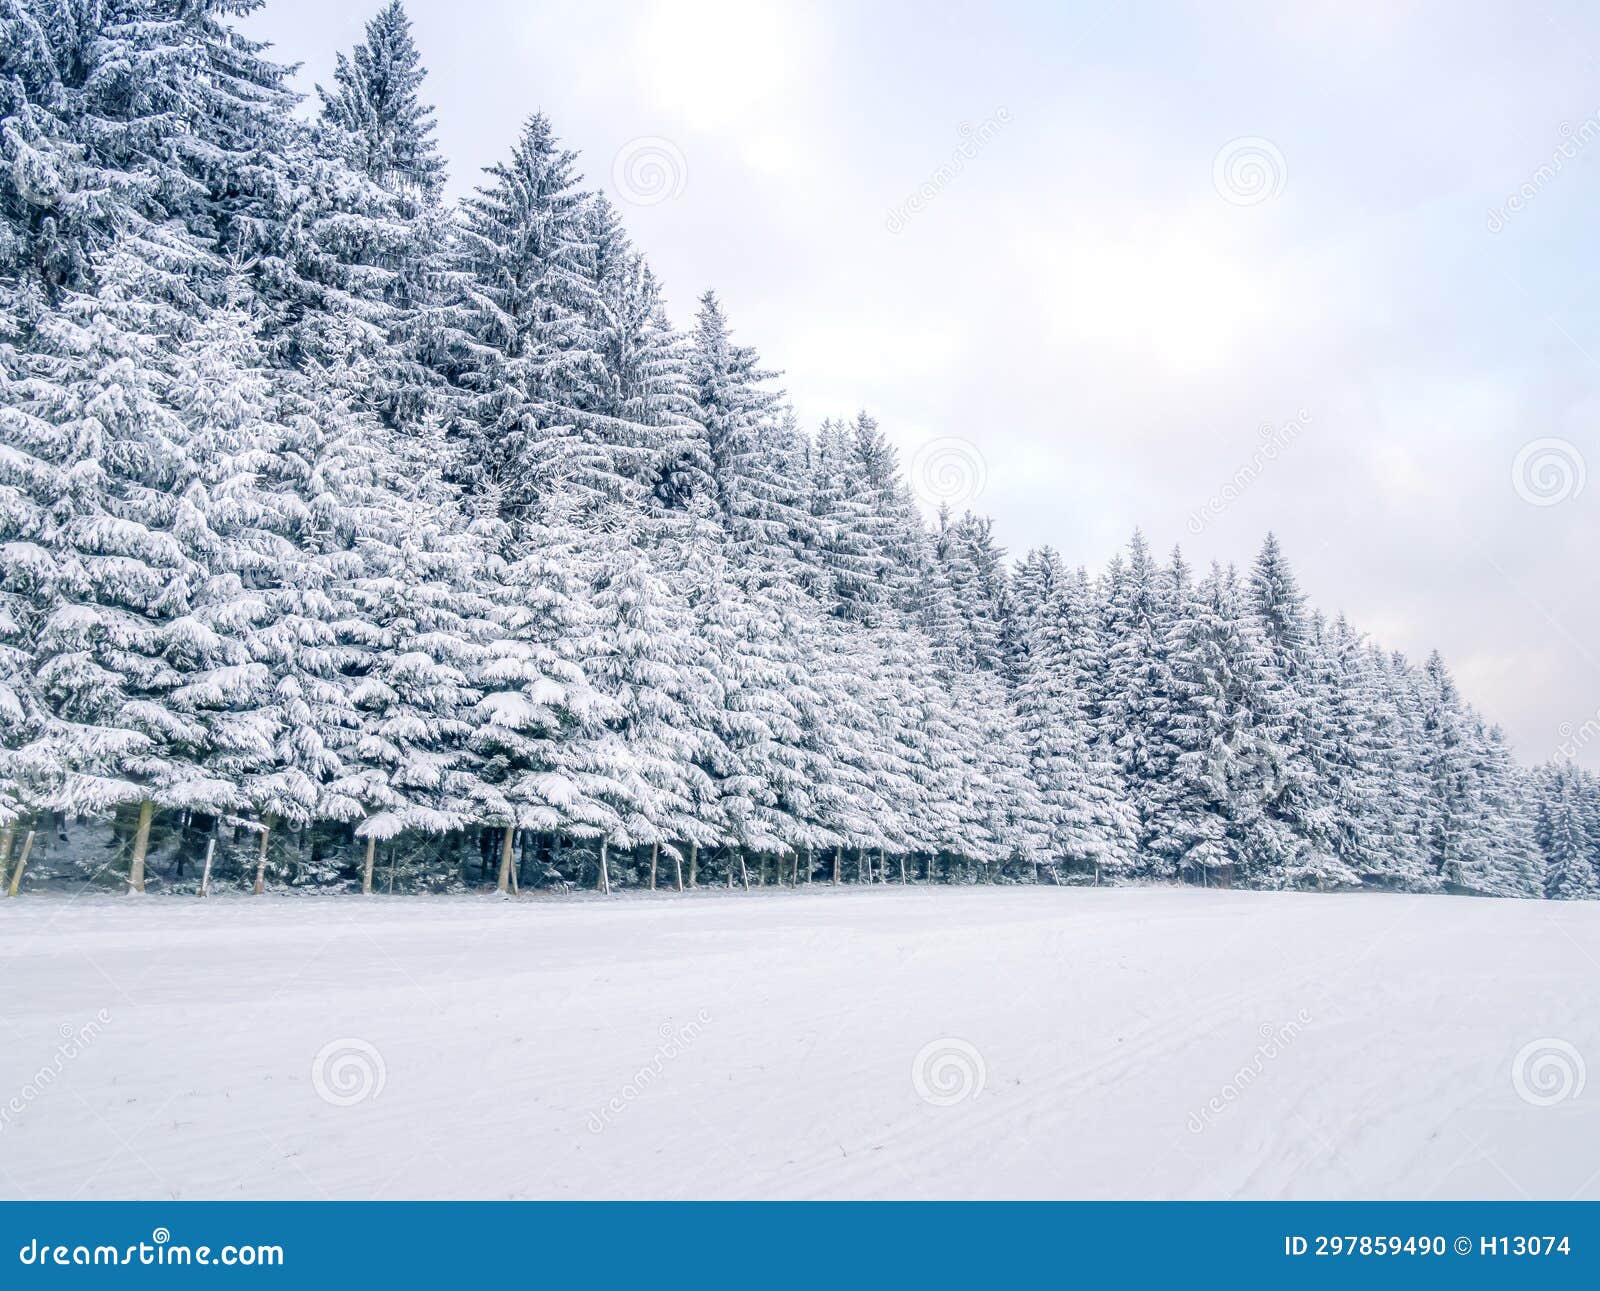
765,1045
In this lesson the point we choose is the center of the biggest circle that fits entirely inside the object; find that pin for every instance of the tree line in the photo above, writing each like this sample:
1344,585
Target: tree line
351,536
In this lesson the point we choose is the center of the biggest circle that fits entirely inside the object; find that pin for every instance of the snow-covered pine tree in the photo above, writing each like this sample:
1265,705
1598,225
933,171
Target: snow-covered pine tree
544,754
376,101
1088,823
92,125
1506,859
1134,709
106,523
853,587
1294,711
377,237
664,701
642,399
869,532
1451,798
530,366
1322,863
762,508
771,774
413,768
1567,831
975,572
1352,761
1036,584
1404,768
238,575
1211,813
274,739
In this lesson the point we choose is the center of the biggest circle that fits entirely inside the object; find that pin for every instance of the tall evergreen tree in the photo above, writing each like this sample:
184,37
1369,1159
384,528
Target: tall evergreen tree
530,364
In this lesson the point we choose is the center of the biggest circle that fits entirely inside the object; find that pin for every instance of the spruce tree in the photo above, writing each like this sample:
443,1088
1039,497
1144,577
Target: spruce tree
528,298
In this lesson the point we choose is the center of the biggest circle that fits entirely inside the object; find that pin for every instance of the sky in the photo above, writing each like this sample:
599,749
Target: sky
1326,269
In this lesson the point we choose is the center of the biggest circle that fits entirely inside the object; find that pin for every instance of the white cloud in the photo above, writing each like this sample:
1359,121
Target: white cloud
721,64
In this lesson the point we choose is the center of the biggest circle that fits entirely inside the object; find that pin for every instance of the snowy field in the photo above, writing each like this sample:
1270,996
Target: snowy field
954,1042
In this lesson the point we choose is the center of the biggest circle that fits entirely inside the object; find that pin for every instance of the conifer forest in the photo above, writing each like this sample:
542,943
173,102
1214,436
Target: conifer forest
354,538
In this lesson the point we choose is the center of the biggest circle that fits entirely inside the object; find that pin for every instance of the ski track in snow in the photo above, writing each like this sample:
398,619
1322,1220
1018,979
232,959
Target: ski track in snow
1105,1021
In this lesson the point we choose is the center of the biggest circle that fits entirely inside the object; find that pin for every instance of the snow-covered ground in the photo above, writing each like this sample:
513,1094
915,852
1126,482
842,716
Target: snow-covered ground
954,1042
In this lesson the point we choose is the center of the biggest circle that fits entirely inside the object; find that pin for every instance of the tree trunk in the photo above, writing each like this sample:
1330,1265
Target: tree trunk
694,857
205,874
655,856
794,869
605,870
837,852
677,869
508,838
267,823
808,864
141,844
883,869
744,872
902,867
366,866
6,835
22,864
